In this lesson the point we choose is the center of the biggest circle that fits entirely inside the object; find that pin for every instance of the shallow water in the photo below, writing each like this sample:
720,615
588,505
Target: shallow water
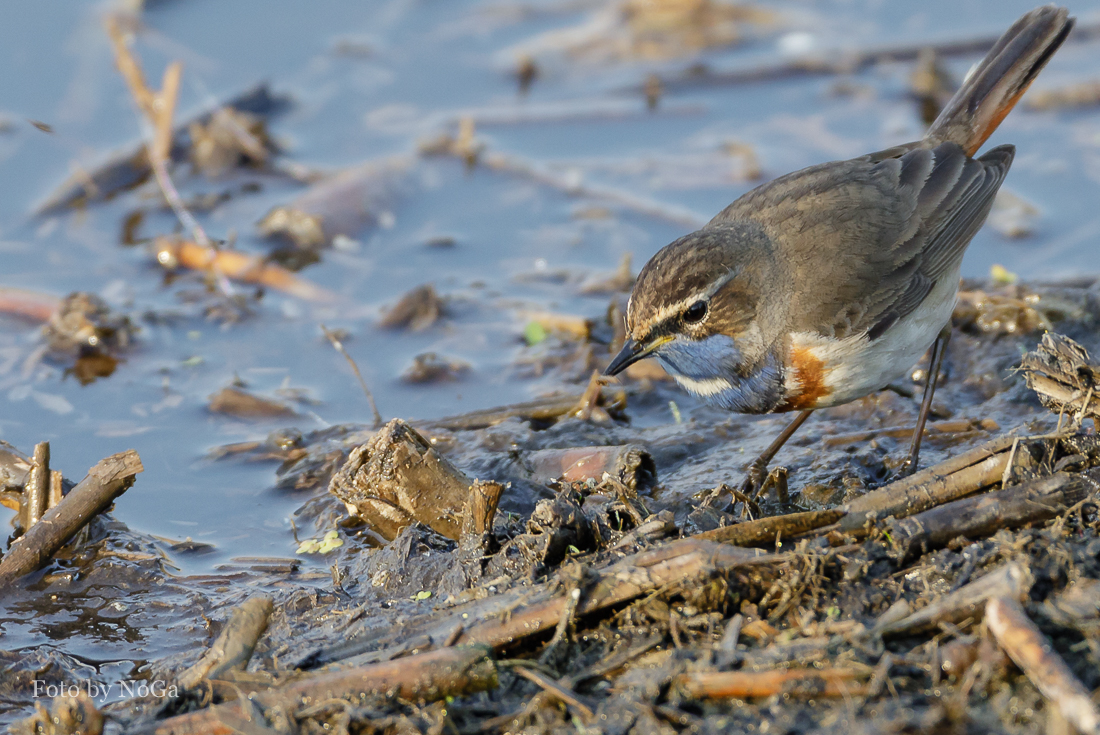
424,64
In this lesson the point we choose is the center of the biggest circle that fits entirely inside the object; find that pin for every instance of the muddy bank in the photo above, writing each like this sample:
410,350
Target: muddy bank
566,569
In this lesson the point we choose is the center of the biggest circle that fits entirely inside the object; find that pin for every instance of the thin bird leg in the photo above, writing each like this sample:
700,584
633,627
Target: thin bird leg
757,473
939,349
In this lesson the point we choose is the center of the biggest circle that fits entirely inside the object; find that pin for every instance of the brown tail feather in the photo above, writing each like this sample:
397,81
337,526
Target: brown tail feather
1001,79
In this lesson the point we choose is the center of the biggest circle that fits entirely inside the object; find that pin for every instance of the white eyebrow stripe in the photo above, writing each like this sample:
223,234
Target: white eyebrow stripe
670,310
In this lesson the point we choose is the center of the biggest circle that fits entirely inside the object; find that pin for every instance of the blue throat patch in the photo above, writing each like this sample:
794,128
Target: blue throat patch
708,368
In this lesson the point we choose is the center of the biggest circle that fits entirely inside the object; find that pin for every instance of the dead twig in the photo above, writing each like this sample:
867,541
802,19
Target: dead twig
505,619
233,647
108,479
1032,652
806,683
557,691
546,409
339,346
674,563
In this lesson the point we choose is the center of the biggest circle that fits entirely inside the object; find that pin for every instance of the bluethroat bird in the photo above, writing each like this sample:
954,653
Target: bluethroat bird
829,283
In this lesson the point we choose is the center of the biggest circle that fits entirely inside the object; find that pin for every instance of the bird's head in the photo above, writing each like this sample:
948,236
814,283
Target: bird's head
705,306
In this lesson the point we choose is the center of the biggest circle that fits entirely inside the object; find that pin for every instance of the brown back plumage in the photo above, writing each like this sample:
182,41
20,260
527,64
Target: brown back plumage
861,242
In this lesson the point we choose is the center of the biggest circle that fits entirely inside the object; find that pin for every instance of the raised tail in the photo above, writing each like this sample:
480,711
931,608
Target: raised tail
1001,78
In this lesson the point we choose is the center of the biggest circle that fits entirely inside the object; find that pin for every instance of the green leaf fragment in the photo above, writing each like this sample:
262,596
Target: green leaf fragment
534,333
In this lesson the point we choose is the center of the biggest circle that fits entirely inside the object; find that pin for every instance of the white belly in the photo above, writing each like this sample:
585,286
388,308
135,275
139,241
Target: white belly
857,366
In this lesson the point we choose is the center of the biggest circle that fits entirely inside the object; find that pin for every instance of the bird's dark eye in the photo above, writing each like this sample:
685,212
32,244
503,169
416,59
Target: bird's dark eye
695,312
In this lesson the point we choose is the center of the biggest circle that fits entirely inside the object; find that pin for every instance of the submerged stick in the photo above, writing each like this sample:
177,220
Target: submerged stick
425,677
233,647
1032,652
108,479
224,263
339,346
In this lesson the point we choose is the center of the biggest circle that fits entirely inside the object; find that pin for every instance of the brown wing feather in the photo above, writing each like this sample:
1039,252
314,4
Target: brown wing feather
867,239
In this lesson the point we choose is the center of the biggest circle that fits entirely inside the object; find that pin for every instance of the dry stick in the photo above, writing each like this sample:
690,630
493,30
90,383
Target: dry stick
1032,652
108,479
1011,580
745,684
984,515
233,647
556,690
427,677
955,478
36,491
763,531
378,421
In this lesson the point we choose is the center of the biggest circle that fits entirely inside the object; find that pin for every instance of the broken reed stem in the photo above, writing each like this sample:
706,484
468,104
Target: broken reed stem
108,479
36,491
1019,637
336,343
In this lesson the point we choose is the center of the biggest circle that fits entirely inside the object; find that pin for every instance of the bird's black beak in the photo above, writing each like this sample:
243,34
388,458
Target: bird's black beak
630,354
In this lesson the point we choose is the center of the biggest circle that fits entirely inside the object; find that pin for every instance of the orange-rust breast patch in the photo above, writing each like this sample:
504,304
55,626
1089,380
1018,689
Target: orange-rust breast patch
809,374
